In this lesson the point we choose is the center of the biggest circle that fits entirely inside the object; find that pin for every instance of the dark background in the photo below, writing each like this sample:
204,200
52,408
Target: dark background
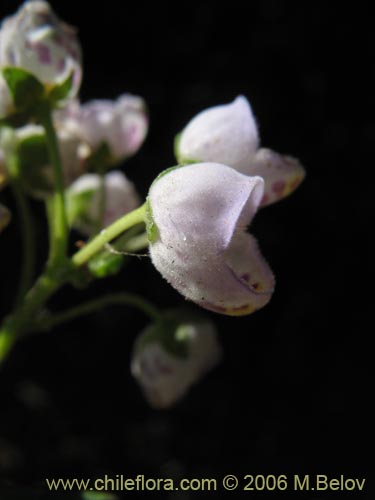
293,392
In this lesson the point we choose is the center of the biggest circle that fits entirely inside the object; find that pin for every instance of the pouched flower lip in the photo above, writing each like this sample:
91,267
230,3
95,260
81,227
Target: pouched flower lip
228,134
36,40
120,196
166,377
201,212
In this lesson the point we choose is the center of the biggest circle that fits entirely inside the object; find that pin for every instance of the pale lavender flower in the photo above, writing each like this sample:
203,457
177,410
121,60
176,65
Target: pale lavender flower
198,242
36,40
83,198
228,134
164,376
121,125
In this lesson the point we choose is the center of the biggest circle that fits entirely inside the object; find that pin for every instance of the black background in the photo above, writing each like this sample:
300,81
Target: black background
293,392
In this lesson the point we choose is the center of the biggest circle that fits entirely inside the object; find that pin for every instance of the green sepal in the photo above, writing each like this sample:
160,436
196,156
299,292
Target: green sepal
25,89
105,264
151,227
61,92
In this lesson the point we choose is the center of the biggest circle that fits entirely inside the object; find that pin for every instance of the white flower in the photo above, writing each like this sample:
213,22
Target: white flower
228,134
198,216
122,125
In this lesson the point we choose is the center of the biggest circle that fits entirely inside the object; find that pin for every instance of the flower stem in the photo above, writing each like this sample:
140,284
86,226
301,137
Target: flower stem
28,240
59,242
21,320
108,234
128,299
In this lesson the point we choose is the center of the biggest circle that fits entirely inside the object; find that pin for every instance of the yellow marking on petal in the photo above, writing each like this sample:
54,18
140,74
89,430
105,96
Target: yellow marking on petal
294,184
240,311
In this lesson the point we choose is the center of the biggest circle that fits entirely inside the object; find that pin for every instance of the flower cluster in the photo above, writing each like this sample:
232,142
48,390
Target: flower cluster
194,220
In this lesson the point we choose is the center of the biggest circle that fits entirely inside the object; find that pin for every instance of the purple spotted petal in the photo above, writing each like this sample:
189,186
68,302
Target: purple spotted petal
201,212
121,124
281,174
224,134
36,40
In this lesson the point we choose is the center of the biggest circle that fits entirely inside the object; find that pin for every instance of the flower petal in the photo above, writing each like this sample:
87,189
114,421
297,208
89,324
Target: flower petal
281,174
200,210
224,134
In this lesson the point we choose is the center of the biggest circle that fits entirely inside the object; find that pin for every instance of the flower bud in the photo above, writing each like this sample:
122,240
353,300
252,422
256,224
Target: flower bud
35,168
83,200
173,354
35,40
120,125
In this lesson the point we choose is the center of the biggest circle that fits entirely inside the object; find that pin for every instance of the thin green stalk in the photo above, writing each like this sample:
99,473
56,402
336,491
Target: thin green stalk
21,320
128,299
59,243
108,234
28,241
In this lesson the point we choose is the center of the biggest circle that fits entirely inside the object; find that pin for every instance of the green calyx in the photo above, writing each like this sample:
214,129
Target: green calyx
29,94
151,228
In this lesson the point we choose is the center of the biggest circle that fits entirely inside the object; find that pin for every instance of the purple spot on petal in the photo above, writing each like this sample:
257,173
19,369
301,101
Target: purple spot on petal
43,53
278,187
245,277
